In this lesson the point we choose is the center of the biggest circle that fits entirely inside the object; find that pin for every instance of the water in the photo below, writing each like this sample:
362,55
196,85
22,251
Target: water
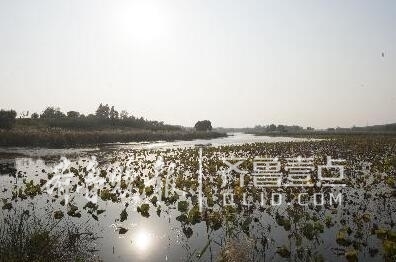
231,139
262,230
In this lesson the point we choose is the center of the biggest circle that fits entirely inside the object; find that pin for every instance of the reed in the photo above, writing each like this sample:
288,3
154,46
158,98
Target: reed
56,138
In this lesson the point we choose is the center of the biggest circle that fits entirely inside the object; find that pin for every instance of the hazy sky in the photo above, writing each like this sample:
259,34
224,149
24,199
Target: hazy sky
236,63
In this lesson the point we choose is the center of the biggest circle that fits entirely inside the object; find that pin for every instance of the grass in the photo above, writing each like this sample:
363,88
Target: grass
56,138
25,237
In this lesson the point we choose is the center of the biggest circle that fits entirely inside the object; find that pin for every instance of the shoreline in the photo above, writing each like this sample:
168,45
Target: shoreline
62,139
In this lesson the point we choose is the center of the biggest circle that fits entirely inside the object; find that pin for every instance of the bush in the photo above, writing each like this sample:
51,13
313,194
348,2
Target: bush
204,125
7,119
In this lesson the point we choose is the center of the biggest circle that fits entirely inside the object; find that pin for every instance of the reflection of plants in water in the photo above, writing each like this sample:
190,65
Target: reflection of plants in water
26,237
363,226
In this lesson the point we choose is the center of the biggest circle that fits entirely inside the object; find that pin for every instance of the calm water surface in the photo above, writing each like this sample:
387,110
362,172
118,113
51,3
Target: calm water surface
160,237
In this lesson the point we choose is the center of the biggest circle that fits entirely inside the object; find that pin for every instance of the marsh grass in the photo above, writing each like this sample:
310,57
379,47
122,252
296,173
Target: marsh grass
25,237
53,138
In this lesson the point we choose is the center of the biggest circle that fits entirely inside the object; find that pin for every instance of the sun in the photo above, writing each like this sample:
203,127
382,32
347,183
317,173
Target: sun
144,21
142,240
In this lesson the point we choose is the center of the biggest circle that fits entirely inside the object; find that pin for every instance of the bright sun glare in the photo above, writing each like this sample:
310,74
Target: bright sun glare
144,21
142,240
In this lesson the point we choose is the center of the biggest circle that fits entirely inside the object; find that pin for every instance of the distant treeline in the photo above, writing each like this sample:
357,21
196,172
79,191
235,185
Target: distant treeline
53,128
104,117
268,129
388,128
273,129
282,128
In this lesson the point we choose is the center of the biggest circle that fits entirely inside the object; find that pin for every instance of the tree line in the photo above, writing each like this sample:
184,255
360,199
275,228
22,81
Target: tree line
104,116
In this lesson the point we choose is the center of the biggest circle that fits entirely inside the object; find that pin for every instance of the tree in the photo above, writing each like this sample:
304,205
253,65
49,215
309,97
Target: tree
7,119
34,116
124,115
204,125
113,113
73,114
52,113
272,127
281,128
103,111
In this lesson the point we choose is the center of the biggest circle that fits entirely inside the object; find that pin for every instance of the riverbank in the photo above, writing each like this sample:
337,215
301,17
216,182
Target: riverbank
325,134
60,138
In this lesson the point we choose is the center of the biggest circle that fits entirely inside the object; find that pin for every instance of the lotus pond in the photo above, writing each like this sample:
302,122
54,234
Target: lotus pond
165,202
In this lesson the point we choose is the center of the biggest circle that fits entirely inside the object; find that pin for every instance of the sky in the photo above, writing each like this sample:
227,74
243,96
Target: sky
237,63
